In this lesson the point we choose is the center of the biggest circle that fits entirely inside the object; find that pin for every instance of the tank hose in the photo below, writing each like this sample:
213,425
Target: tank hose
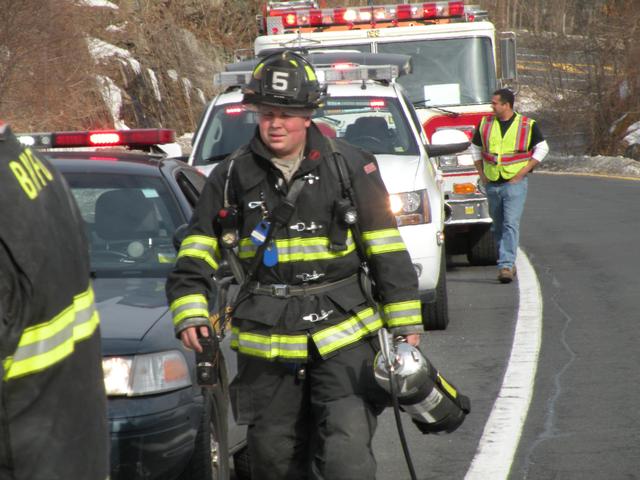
396,412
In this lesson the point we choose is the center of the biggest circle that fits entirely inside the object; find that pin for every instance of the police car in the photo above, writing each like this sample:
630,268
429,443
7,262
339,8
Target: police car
369,109
162,424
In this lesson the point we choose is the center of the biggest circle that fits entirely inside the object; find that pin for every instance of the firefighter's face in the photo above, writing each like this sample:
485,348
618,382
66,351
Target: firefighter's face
283,130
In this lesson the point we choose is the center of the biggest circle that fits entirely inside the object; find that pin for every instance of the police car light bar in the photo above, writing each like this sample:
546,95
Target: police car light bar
141,137
283,16
340,72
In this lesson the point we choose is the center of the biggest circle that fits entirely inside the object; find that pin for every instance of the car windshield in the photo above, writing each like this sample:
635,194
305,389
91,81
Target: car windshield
129,221
446,72
375,124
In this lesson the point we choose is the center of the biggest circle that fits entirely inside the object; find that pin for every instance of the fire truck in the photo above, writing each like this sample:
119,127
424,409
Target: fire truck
454,50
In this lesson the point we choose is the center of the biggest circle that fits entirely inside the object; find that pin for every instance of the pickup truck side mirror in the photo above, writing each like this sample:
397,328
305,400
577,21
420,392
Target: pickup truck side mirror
447,149
448,141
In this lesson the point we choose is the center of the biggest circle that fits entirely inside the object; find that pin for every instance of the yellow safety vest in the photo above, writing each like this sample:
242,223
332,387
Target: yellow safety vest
504,156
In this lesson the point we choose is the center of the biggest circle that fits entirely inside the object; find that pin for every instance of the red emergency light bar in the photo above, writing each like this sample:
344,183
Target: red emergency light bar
281,16
234,110
142,137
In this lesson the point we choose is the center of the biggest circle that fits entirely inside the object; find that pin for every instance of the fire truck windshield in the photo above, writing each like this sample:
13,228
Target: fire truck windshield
447,72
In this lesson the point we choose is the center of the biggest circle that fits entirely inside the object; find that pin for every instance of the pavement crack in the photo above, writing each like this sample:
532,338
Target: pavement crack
549,431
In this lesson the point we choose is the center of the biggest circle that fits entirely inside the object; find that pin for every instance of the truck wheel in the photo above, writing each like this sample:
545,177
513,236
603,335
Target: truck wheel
482,246
210,457
435,315
241,464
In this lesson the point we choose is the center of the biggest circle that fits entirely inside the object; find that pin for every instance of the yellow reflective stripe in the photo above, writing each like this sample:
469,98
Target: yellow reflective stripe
166,258
45,344
189,306
269,347
311,75
447,386
299,249
201,247
403,313
348,331
383,241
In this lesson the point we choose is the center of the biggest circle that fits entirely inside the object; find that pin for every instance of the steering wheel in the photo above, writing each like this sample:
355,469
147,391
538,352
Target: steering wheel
109,253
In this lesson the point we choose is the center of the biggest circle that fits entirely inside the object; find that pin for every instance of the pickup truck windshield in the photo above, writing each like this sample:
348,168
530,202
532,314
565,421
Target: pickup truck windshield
446,72
375,124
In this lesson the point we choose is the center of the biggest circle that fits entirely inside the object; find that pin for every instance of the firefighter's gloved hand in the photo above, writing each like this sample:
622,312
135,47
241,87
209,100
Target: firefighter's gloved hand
189,337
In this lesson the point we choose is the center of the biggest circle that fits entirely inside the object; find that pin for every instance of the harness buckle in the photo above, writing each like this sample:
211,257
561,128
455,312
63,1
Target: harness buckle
280,290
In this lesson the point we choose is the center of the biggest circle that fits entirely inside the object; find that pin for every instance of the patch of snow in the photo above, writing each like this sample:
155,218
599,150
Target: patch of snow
601,165
98,3
112,97
171,149
201,96
116,28
100,50
187,87
173,75
633,134
154,84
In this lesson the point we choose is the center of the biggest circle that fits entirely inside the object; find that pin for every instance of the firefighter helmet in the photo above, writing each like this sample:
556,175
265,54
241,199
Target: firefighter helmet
284,79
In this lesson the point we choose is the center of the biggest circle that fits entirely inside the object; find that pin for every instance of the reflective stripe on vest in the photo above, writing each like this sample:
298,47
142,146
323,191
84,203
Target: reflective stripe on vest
505,155
400,314
299,249
295,347
189,306
383,241
201,247
291,347
348,331
45,344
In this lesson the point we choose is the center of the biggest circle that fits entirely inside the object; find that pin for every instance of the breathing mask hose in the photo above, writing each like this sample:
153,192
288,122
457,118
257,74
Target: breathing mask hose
396,413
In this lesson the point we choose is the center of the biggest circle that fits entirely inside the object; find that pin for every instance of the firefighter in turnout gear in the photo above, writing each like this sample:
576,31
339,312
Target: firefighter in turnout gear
53,407
302,324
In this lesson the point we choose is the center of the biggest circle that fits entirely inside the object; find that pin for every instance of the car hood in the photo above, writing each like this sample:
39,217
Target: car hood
403,173
129,307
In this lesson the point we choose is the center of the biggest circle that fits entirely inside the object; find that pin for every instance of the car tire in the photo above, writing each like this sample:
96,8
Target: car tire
435,315
210,458
241,464
482,246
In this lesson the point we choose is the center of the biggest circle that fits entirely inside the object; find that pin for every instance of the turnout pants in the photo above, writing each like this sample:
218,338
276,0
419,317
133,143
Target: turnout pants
313,421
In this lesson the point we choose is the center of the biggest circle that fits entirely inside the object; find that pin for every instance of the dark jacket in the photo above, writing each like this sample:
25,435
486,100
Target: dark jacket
52,400
277,327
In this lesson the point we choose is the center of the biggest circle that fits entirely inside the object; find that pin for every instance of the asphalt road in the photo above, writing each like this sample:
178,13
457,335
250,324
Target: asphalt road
580,234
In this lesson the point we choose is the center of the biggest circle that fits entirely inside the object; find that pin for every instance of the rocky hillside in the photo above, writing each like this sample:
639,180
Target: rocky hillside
97,64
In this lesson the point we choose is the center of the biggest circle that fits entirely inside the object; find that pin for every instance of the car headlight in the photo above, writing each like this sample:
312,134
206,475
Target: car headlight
145,374
411,208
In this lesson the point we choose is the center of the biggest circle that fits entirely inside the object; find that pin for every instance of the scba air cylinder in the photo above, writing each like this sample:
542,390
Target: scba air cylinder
435,406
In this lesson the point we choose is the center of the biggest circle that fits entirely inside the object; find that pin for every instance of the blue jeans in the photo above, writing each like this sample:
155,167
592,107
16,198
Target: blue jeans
506,204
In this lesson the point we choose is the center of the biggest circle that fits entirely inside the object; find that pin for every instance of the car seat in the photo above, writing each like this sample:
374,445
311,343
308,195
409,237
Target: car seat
364,128
125,215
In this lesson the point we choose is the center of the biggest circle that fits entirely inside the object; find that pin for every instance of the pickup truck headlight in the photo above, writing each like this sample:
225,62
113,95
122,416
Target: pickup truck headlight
145,374
458,160
411,208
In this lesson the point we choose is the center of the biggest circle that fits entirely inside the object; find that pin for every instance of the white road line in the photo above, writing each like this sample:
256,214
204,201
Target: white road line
501,435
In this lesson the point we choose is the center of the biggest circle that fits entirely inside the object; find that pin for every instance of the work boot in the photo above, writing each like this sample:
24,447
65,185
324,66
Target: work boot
513,271
505,275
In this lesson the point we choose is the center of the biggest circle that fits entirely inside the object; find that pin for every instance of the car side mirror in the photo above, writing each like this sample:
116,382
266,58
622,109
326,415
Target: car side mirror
179,235
447,149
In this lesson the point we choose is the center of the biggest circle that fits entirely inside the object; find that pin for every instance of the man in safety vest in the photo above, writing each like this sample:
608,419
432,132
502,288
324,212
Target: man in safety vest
53,407
303,327
506,147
